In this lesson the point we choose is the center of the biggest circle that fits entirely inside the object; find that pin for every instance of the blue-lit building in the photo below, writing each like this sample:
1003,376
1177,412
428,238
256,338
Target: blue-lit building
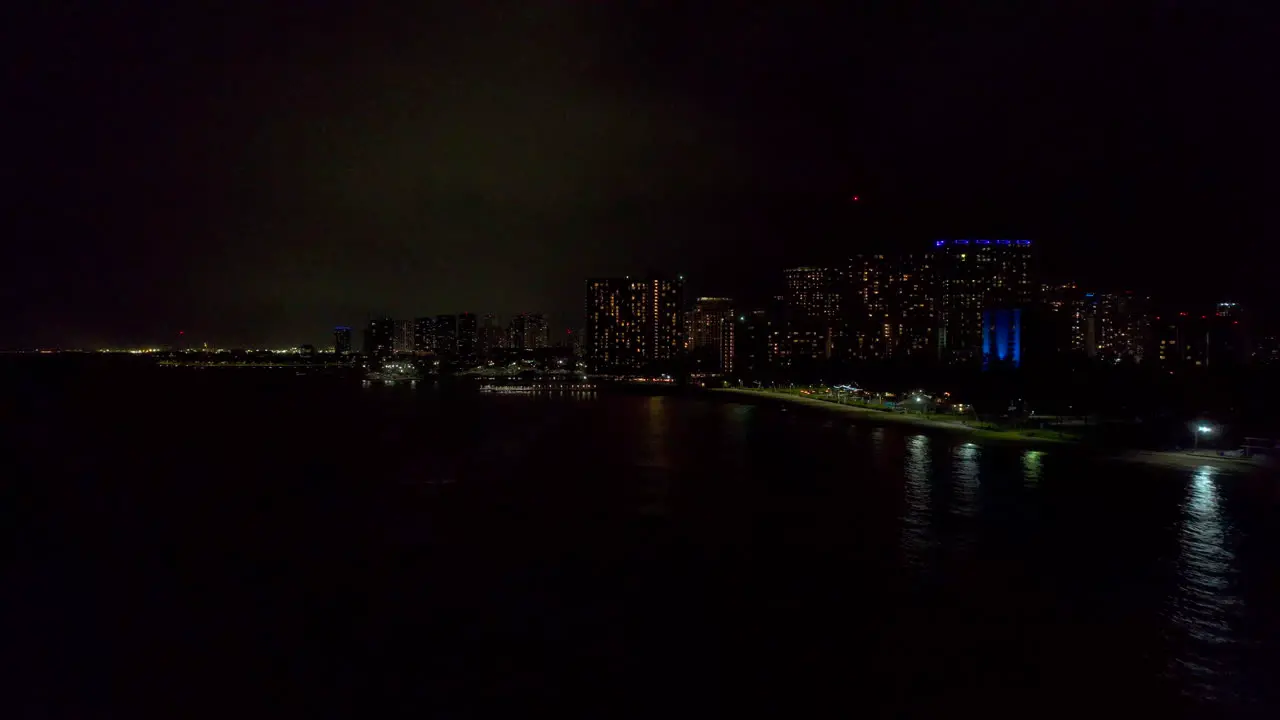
974,277
1002,337
342,340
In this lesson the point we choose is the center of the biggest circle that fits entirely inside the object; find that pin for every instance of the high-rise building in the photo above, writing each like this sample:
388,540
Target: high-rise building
402,341
814,313
528,331
467,338
379,337
813,293
633,322
611,331
710,328
910,323
1064,305
1109,327
1126,327
342,340
573,340
751,342
447,335
1215,339
890,307
490,335
1182,340
975,276
424,335
1230,343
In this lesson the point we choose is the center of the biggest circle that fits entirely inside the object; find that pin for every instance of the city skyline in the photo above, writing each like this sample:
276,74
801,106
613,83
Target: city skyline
904,317
267,175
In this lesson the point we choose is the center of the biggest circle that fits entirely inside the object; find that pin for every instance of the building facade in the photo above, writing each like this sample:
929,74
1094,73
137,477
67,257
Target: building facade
490,335
379,337
468,338
1107,327
710,327
974,276
751,340
528,331
891,307
814,317
633,323
1002,337
402,340
446,335
342,340
424,335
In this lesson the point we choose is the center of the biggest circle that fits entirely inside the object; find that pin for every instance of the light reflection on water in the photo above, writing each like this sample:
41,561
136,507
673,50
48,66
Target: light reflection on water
964,499
1204,604
917,531
656,458
1032,467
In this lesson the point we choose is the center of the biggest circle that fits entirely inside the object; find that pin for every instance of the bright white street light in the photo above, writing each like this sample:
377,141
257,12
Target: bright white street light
1200,429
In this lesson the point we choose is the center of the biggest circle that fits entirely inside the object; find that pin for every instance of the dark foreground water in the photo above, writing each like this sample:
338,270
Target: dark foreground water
259,543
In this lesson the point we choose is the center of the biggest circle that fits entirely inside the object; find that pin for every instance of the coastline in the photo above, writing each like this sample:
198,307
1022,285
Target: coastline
1167,459
891,418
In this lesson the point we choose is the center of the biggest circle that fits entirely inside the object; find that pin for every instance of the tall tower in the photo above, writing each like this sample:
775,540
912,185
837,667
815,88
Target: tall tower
379,336
342,340
633,322
489,336
814,309
711,324
976,276
467,338
402,342
662,319
528,331
447,335
424,335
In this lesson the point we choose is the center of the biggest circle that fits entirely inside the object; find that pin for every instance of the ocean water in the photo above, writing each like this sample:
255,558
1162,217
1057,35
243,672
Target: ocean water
256,540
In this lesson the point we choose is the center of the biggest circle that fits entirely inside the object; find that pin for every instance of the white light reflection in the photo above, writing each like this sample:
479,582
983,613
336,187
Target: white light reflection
964,499
917,520
1204,601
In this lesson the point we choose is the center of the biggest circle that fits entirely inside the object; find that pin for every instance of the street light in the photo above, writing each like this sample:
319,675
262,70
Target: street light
1200,430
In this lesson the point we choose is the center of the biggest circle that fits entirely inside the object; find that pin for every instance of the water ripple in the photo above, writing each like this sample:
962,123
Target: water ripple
1204,603
918,539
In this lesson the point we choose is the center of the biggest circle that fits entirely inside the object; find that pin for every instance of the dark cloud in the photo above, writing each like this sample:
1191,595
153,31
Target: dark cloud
258,174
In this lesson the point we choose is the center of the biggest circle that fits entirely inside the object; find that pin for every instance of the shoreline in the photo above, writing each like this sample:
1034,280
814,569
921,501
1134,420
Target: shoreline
901,418
1167,459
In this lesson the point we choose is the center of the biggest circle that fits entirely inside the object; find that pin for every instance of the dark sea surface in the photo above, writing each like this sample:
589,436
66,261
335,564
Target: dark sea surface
263,543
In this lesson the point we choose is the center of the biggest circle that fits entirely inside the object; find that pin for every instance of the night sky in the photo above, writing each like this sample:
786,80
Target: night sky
258,175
